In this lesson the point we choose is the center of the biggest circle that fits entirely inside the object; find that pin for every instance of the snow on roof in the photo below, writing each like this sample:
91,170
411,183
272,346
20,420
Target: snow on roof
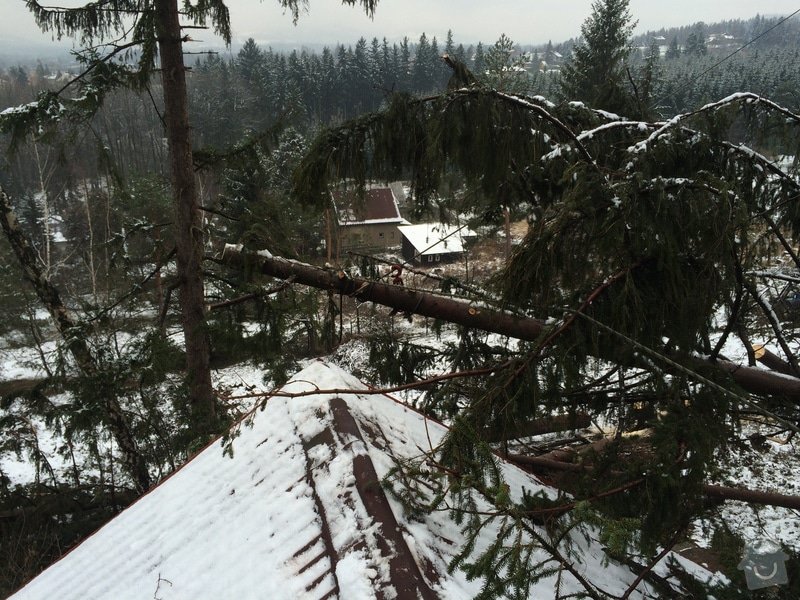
378,205
296,512
435,238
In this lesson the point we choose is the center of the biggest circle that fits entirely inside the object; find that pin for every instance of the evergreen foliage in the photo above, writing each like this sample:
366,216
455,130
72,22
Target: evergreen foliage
673,50
596,73
642,234
505,71
696,43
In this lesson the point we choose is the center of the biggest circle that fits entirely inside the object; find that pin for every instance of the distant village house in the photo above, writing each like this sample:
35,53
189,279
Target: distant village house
366,223
431,243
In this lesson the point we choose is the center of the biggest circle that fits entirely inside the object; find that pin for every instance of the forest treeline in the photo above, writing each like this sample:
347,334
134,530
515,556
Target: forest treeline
258,87
119,161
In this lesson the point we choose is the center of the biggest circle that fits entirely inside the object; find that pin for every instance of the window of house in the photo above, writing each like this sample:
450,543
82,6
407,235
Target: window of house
430,258
438,257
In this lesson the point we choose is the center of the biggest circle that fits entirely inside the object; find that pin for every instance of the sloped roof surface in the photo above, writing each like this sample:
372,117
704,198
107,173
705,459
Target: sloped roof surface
295,512
435,238
377,205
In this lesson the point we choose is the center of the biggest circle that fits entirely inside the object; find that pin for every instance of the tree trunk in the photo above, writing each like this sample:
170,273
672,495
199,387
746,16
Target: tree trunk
507,229
188,224
74,338
753,380
717,492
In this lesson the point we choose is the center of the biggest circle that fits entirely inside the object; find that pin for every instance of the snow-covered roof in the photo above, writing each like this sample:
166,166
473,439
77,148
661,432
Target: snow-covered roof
296,512
435,238
378,205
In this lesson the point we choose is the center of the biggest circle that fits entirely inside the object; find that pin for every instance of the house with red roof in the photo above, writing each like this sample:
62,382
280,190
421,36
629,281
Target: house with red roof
366,222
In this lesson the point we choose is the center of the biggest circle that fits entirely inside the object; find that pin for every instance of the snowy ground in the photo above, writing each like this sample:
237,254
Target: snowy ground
771,466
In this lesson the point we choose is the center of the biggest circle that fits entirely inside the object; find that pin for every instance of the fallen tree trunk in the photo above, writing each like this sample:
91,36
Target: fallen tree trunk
772,360
718,492
751,496
395,296
751,379
540,426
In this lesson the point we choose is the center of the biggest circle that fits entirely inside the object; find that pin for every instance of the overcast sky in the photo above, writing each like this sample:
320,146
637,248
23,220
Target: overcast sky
525,21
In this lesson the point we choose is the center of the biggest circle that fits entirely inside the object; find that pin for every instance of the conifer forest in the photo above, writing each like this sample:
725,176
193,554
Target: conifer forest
617,312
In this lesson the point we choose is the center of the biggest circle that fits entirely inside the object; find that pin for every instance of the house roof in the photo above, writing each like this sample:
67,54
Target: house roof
378,205
296,511
435,238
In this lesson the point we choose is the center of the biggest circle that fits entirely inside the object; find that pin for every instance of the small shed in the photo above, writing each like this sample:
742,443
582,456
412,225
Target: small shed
430,243
367,222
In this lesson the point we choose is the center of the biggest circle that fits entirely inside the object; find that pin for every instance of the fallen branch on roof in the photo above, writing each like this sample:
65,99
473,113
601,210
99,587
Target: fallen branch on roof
476,316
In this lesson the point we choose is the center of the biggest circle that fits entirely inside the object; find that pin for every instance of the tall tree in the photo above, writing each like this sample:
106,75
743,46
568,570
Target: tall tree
504,71
424,65
696,42
404,81
188,218
596,74
479,60
250,61
154,27
673,50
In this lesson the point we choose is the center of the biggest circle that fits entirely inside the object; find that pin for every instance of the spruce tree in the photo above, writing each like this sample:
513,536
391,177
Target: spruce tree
504,72
250,61
696,43
425,63
596,73
479,60
673,50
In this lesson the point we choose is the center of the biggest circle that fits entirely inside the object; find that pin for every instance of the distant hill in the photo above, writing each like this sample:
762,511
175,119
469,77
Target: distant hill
721,37
16,51
729,35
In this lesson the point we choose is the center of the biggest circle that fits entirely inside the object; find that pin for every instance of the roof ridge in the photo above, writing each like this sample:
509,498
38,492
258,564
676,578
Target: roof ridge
405,576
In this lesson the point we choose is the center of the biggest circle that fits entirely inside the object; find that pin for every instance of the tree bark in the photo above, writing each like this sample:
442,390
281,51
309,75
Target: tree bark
75,340
772,360
188,223
753,380
718,492
538,426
